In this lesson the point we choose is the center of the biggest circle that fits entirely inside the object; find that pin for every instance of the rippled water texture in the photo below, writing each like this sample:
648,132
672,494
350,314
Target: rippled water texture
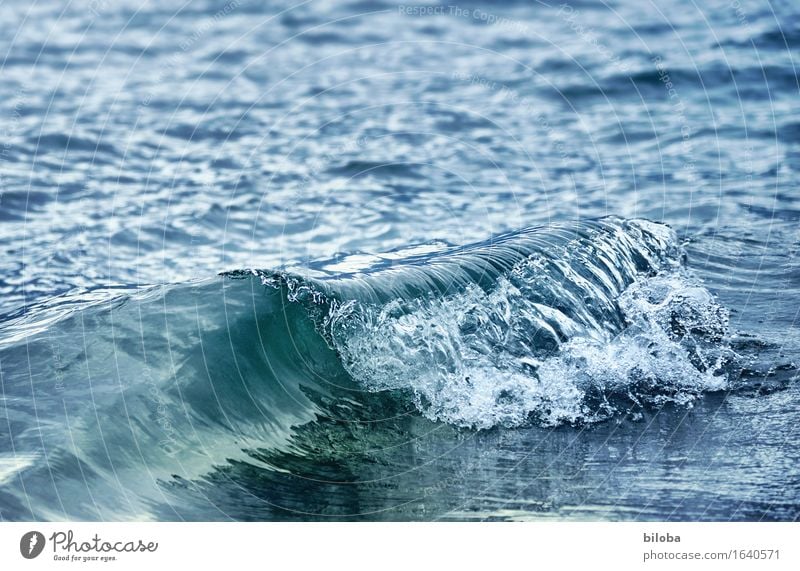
362,260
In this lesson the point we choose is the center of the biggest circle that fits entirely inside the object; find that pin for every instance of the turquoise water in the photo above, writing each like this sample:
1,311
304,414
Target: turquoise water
369,261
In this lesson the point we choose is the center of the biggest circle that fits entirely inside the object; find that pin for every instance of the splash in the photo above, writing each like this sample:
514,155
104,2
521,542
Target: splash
574,334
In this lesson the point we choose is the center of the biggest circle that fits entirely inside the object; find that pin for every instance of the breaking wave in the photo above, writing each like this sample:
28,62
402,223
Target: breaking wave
115,402
567,324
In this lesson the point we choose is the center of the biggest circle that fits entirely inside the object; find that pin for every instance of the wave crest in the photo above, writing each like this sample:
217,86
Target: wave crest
549,326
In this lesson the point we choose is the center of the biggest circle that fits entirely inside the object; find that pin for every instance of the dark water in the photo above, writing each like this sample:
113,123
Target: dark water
510,261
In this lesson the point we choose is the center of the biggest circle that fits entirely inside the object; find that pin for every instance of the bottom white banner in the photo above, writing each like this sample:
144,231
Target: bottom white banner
373,546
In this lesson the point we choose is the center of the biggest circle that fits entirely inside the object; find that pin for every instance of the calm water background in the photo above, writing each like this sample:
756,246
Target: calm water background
162,142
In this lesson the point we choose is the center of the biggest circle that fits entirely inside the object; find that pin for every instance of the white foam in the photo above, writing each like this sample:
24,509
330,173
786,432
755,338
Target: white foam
480,359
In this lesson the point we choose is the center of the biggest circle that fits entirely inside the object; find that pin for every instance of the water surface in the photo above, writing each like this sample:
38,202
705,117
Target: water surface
437,327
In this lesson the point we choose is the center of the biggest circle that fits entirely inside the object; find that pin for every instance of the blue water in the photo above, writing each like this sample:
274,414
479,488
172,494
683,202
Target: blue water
362,260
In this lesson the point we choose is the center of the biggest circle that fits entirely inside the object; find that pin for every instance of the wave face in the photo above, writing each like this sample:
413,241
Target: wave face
543,327
564,325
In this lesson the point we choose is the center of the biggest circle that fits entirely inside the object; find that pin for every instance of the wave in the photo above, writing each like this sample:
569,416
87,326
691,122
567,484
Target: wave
571,324
565,324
